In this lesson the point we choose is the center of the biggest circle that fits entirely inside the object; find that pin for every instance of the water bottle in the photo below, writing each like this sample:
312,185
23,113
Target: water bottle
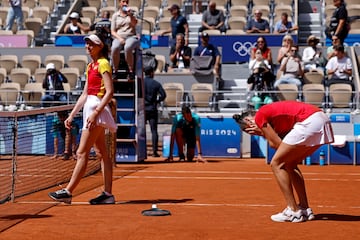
181,63
308,160
322,158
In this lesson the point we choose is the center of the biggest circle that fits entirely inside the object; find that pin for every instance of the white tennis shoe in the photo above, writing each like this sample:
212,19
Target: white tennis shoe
289,215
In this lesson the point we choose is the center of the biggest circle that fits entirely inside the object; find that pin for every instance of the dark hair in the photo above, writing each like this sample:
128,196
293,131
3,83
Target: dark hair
239,118
265,43
185,109
339,48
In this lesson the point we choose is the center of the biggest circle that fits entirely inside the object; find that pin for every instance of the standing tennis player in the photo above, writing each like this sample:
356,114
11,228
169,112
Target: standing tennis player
97,93
295,130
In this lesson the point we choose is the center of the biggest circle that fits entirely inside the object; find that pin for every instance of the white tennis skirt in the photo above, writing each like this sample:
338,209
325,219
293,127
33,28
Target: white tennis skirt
313,131
105,118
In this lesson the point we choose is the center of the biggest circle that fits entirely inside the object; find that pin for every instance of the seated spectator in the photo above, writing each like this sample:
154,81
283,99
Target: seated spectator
261,77
312,55
208,49
261,44
180,54
75,26
178,24
330,52
213,19
284,25
258,24
123,31
339,67
287,43
53,84
292,69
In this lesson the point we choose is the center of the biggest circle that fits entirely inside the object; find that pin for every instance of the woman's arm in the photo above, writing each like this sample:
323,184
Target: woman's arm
271,136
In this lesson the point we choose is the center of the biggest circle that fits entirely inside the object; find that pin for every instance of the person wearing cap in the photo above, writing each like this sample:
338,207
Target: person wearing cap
258,24
284,25
312,55
186,130
178,24
123,30
97,117
15,12
208,49
213,19
75,25
154,94
53,85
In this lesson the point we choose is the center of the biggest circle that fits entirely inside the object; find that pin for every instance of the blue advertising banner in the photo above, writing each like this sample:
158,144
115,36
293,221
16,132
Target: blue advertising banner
238,48
352,40
220,136
340,118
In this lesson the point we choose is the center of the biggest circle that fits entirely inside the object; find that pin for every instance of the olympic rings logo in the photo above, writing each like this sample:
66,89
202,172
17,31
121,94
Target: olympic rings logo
243,49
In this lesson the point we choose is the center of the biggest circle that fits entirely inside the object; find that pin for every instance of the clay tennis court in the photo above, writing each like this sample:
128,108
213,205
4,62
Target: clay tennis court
223,199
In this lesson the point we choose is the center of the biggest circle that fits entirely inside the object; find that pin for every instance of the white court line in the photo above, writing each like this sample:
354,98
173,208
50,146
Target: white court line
232,172
231,178
239,205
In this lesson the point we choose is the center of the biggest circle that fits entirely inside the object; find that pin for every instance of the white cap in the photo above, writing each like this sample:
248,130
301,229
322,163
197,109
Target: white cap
95,39
74,15
50,66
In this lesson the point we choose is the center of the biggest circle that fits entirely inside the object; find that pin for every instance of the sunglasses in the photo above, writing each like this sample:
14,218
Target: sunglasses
335,39
260,41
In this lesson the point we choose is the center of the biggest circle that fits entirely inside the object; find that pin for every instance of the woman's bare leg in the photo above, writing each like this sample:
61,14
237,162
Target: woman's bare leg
86,142
106,162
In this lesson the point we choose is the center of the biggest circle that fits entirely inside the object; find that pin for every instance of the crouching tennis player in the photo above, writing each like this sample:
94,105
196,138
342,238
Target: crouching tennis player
295,130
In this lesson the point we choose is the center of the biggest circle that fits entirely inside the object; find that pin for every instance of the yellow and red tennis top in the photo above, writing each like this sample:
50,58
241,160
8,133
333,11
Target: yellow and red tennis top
94,73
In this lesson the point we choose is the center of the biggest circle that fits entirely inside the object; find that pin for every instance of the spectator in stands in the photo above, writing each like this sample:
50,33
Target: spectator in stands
260,68
186,130
15,12
208,49
180,54
103,27
213,19
312,55
261,44
154,94
258,24
178,24
53,84
123,30
75,26
94,103
287,43
339,24
331,49
198,4
284,25
292,69
339,68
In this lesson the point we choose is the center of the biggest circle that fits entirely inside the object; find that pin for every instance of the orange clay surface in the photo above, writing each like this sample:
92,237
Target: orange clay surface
220,200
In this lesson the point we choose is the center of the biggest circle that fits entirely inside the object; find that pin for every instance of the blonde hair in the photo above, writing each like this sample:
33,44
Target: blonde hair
287,37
